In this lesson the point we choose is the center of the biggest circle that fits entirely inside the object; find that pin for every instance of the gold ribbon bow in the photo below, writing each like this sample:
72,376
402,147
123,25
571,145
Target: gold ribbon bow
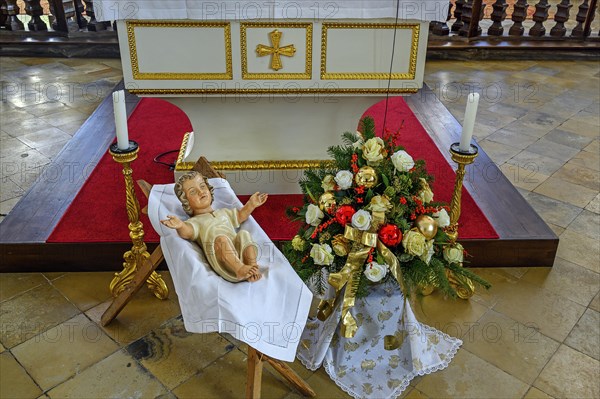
349,276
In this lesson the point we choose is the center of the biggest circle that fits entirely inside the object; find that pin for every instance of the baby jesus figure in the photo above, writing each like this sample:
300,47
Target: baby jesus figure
232,255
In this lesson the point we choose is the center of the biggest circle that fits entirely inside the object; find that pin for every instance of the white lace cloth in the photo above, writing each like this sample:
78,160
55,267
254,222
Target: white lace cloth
268,315
360,365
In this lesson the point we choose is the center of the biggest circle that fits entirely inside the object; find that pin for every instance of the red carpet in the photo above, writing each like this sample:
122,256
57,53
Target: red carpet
98,212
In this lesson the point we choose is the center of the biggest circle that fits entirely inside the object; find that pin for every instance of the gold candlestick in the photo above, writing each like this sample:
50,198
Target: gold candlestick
138,253
464,286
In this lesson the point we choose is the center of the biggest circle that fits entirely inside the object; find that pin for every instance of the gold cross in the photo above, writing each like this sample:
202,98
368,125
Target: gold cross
275,51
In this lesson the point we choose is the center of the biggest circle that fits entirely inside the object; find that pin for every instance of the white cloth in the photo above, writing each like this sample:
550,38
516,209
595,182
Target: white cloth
360,365
245,10
268,315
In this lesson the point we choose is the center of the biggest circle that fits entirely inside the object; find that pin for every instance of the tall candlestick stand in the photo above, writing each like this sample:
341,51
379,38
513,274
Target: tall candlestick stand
138,253
463,285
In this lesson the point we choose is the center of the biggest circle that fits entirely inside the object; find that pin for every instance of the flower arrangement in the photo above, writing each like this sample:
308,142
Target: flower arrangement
369,217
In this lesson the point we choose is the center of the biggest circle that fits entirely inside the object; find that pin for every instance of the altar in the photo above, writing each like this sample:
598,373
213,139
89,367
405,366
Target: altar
268,88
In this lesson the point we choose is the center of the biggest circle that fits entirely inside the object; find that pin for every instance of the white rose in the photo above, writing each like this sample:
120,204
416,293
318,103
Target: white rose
414,243
361,220
425,195
402,161
321,254
442,218
375,272
298,243
453,254
328,183
374,150
380,203
428,253
344,179
313,215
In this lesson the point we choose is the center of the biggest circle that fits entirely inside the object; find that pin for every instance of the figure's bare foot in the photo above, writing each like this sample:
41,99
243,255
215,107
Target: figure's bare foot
255,277
244,272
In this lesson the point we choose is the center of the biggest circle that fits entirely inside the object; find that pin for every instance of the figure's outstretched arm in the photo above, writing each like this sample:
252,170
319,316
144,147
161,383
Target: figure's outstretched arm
184,230
256,200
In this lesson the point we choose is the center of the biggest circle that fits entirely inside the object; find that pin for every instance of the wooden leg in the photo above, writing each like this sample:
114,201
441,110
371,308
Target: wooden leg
290,375
141,275
254,377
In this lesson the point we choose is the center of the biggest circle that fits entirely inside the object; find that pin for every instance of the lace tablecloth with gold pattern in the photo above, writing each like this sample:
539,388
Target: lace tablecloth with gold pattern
360,365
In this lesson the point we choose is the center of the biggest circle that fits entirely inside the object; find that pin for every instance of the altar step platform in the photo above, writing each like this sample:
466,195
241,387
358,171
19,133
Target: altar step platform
74,217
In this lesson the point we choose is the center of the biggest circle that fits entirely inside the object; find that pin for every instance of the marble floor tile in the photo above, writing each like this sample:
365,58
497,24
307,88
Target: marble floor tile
586,333
16,383
594,146
226,377
569,139
591,118
501,280
12,146
535,393
321,383
71,127
567,279
587,223
519,350
536,162
554,150
31,313
25,126
565,191
594,205
51,151
556,229
587,159
527,179
452,316
552,314
143,314
173,355
581,128
553,211
117,376
12,284
536,124
570,374
579,249
509,110
499,153
468,376
44,137
46,108
512,138
579,175
9,189
85,289
595,304
64,351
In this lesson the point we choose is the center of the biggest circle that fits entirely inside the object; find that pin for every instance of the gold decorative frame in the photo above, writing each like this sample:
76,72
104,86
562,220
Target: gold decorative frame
137,75
181,166
176,92
410,75
275,75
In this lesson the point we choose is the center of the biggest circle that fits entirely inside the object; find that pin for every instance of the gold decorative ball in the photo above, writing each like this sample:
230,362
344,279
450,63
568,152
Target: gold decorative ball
326,201
427,226
366,177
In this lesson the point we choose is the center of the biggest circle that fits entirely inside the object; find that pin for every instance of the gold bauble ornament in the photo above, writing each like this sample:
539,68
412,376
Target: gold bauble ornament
326,201
427,226
366,177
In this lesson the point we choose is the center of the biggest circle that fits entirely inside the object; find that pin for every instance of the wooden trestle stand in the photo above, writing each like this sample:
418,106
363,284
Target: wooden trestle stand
145,270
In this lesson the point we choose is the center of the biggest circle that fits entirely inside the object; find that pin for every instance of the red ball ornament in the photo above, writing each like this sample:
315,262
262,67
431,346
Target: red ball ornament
344,214
390,235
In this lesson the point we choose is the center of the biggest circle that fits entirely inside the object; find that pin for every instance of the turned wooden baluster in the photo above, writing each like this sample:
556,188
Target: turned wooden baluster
562,16
471,26
518,16
3,13
12,22
467,11
93,24
458,23
498,15
540,16
35,10
79,9
441,28
580,18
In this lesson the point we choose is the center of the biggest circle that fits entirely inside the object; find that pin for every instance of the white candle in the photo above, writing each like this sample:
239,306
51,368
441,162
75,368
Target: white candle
469,122
121,119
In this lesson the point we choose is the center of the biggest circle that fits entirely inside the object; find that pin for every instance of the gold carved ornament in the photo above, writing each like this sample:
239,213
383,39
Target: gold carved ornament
275,51
363,242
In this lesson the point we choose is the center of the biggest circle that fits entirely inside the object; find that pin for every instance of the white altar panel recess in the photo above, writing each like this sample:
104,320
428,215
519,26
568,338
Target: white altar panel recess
424,10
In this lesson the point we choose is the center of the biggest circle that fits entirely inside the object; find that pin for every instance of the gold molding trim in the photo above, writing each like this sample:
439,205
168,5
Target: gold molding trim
260,165
177,92
273,75
181,155
414,48
137,75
